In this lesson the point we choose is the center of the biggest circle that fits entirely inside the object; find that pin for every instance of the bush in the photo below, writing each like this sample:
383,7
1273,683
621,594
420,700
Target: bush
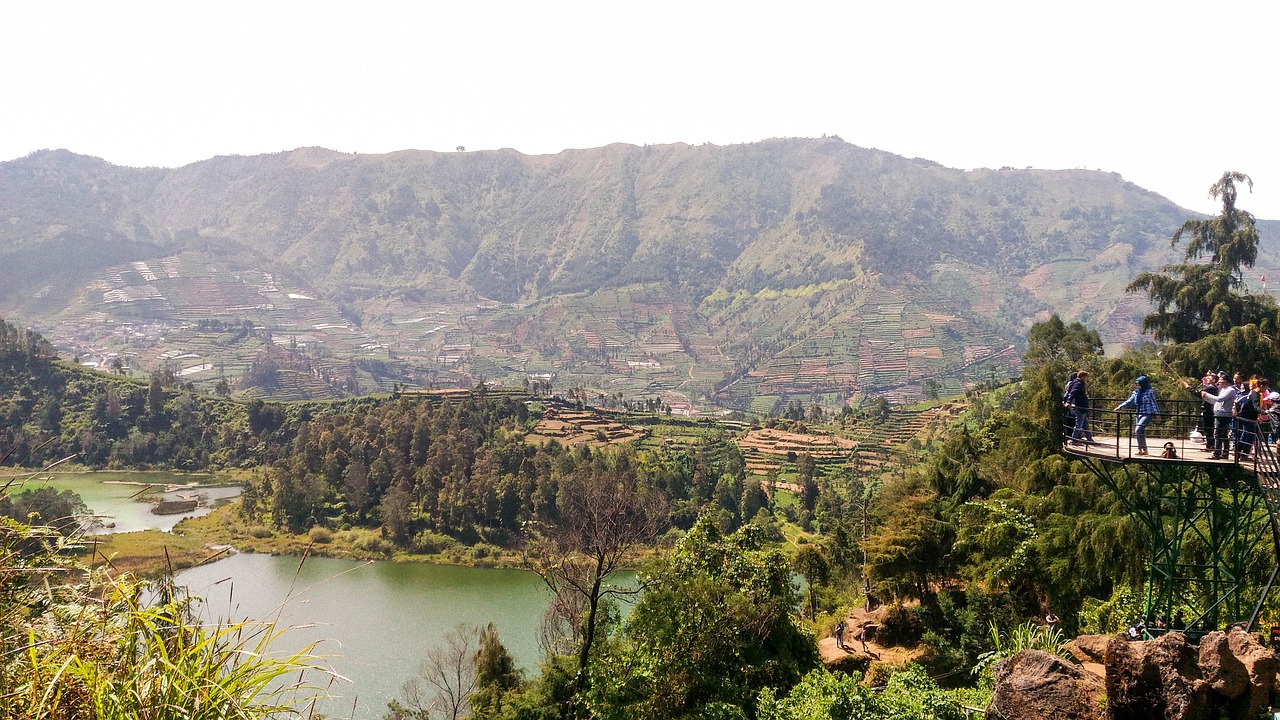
901,626
1112,615
944,657
260,531
878,674
373,544
484,550
321,535
670,538
431,543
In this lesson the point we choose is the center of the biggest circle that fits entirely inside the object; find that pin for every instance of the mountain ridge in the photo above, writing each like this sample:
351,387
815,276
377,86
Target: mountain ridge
757,246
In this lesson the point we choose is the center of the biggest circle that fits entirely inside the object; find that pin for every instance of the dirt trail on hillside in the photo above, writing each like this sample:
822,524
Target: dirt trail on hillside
853,622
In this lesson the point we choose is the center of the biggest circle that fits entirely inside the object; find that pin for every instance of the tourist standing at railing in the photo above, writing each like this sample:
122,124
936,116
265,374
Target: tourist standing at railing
1270,408
1209,380
1223,397
1077,402
1247,407
1242,390
1143,401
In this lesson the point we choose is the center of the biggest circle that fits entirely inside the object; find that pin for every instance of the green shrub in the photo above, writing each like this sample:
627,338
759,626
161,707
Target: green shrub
1098,617
431,543
321,535
373,544
878,674
480,551
901,626
670,538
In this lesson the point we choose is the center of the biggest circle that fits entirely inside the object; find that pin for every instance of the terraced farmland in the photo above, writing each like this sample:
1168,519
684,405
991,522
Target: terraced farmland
581,427
766,449
210,322
867,445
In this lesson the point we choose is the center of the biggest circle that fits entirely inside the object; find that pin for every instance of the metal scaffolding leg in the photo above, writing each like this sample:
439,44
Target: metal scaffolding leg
1203,524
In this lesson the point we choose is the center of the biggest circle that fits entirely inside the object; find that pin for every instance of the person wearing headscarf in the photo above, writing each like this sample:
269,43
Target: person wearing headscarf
1143,401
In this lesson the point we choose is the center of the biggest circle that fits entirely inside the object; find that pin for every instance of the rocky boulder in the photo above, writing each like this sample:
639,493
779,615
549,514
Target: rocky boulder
1035,685
1227,675
1089,648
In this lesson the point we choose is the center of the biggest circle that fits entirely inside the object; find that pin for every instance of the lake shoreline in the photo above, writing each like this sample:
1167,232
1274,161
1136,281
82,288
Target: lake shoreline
193,540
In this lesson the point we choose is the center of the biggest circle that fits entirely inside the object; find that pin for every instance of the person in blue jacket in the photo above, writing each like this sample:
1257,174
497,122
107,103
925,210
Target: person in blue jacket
1143,401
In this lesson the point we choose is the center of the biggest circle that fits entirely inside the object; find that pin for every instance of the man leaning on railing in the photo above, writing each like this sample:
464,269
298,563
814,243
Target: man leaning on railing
1223,398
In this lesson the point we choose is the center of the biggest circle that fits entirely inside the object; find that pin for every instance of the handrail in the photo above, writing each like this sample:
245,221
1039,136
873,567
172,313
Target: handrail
1181,425
1173,426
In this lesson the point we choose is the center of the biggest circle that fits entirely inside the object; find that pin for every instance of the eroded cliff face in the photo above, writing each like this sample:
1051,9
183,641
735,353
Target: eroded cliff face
1225,675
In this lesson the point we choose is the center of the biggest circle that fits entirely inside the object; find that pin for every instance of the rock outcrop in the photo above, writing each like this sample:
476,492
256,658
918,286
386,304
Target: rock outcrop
1035,685
1224,675
1227,675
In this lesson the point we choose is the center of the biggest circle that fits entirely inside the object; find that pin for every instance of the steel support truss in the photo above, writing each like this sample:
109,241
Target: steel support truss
1203,524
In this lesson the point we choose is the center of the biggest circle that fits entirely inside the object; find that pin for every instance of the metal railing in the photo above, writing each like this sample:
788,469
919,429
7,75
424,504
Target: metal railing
1180,427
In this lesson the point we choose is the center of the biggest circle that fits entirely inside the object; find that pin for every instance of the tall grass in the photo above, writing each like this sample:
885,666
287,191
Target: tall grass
1027,636
76,643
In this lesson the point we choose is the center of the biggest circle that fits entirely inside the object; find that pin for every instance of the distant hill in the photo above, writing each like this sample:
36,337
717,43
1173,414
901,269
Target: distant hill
741,277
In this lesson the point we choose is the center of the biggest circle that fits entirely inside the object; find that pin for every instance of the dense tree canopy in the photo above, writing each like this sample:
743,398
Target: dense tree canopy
715,627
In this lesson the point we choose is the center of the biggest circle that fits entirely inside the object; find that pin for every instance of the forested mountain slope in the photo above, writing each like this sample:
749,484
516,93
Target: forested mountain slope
740,276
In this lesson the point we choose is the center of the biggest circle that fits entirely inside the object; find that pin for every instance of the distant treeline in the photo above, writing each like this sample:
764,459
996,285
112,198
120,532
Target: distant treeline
50,410
417,468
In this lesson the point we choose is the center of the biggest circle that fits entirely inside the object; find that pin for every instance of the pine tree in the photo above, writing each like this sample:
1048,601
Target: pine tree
1195,299
496,675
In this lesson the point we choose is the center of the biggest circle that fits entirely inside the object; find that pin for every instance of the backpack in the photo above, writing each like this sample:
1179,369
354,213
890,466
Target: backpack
1245,406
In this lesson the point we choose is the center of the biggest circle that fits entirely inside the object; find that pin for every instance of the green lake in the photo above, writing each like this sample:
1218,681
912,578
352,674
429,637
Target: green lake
374,621
122,501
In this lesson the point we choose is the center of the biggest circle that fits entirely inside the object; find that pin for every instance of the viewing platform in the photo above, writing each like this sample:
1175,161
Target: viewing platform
1180,426
1181,497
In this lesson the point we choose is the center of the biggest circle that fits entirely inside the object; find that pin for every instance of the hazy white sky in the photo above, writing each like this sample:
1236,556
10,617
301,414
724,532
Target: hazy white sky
1168,94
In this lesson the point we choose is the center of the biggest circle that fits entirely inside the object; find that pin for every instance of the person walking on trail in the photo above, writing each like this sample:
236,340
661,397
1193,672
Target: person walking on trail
1143,401
864,631
839,635
1223,397
1077,402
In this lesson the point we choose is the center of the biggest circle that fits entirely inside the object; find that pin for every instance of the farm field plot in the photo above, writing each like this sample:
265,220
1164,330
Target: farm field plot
632,340
581,427
211,322
885,346
766,449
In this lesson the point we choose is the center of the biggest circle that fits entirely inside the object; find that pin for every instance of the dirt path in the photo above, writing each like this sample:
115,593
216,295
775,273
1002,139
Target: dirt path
856,619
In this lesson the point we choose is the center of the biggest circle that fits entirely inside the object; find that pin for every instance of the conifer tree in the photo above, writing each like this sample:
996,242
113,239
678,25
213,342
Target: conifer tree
496,675
1194,299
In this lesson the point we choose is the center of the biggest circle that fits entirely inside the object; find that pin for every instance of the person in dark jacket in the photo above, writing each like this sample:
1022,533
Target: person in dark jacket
1247,408
1223,397
1078,403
